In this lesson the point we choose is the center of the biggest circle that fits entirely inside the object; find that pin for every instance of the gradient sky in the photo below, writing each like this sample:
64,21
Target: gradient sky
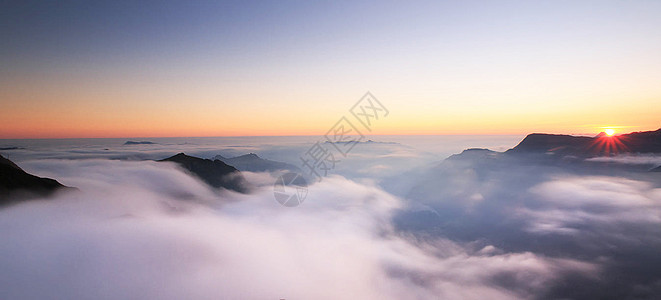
194,68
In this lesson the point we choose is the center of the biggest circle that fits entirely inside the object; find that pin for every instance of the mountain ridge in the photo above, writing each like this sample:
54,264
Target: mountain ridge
583,146
215,173
16,184
251,162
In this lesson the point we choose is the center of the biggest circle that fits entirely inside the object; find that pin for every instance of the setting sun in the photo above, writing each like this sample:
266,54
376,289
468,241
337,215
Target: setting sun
609,131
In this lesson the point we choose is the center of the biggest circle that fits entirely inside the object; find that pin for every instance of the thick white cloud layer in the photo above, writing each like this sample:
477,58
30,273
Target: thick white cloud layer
394,224
652,160
147,230
570,204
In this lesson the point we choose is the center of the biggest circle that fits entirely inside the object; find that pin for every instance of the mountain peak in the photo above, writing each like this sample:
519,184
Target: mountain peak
251,162
476,150
249,155
14,182
473,153
216,173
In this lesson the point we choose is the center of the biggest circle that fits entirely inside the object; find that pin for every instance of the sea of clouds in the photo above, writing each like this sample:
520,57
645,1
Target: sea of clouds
393,222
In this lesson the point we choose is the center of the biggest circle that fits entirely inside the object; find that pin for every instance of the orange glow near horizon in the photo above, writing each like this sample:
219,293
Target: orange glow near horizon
72,118
52,128
63,110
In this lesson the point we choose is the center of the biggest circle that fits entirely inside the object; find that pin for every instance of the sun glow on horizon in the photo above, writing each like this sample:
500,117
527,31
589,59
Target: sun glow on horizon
609,131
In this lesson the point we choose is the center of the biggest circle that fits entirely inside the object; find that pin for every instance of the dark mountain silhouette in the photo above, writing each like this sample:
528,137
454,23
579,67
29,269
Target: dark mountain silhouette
530,157
139,143
253,163
214,172
541,143
18,184
581,146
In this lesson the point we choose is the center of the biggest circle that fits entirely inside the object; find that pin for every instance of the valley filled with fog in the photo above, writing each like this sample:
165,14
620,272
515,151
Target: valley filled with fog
398,218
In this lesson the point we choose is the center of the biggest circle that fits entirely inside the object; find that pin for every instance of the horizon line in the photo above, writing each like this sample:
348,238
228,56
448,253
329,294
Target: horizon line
300,135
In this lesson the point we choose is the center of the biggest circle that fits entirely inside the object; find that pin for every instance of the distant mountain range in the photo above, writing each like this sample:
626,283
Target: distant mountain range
635,142
214,172
222,172
16,184
483,177
19,185
565,151
253,163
